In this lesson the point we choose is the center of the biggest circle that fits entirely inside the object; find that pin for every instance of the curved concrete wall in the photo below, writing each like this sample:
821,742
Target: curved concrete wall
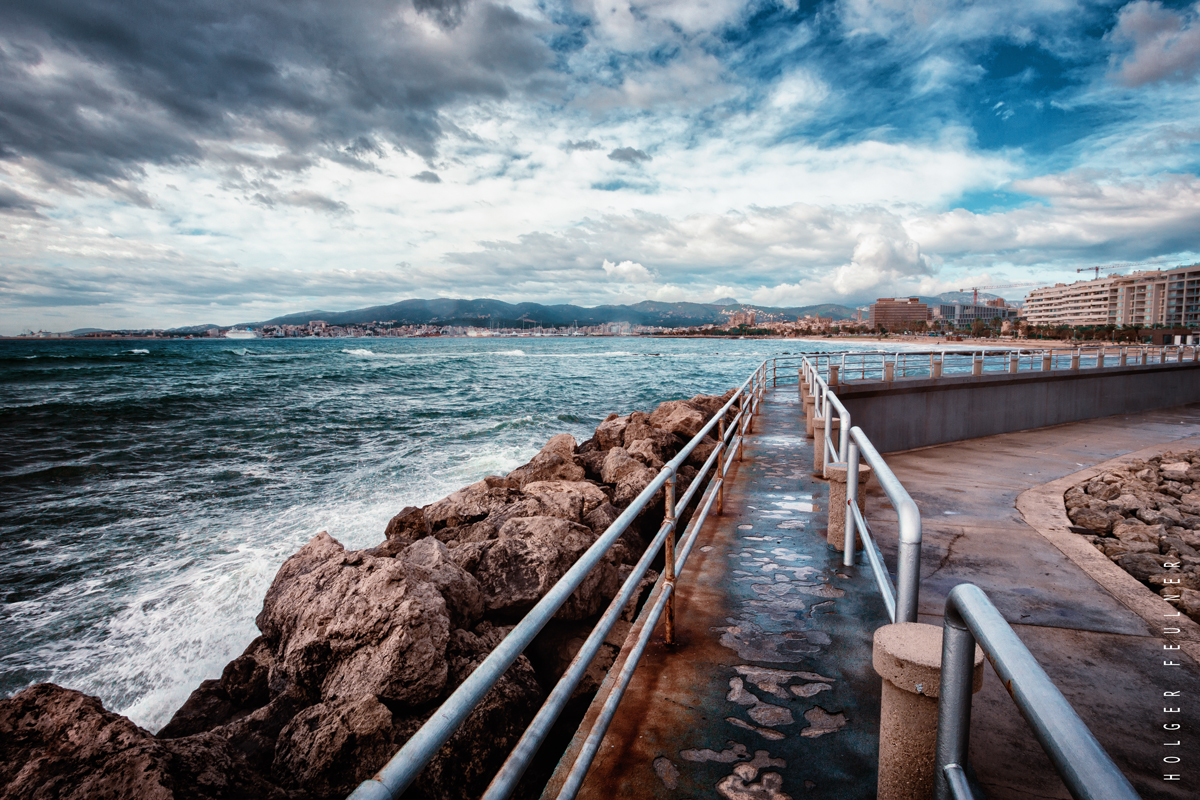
921,412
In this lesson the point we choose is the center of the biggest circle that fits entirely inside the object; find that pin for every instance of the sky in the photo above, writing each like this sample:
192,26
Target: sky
213,161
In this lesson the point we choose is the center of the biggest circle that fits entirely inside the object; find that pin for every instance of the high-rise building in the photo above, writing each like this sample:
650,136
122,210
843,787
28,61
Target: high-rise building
890,311
1165,297
962,315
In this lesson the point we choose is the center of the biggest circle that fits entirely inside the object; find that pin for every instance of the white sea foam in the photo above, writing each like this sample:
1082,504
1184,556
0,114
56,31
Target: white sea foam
510,352
140,352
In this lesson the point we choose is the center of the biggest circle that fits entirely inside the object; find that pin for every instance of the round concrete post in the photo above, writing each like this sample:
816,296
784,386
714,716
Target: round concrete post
1123,359
833,374
1014,362
835,533
889,371
977,365
908,656
810,414
1100,358
819,443
937,368
1075,360
1047,362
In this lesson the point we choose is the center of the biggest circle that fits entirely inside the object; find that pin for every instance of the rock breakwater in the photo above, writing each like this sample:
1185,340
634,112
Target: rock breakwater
358,648
1145,516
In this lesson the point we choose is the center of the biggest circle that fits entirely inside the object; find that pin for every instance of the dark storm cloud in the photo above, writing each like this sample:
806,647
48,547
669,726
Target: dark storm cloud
628,155
12,202
427,177
96,90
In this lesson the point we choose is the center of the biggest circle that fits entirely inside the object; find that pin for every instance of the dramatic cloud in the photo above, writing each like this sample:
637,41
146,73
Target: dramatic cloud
170,163
1165,43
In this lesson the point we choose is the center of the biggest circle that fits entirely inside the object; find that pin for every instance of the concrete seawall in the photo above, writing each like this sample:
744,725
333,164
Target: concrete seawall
920,412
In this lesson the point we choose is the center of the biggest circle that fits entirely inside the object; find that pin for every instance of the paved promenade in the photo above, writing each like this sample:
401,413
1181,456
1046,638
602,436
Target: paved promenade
770,691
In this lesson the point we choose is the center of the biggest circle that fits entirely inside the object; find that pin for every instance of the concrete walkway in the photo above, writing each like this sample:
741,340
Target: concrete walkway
1101,645
770,690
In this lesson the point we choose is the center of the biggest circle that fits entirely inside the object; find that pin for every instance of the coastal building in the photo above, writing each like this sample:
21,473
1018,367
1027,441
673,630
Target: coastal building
742,318
963,315
1163,297
890,311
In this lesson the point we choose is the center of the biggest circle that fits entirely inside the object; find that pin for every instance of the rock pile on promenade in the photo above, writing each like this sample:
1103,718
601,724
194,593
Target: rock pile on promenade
358,648
1145,516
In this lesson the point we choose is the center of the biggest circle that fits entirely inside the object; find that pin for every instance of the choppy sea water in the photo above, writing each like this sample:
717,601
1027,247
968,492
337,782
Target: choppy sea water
149,491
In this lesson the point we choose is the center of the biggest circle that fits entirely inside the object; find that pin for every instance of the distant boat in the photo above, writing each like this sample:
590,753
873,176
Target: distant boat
234,333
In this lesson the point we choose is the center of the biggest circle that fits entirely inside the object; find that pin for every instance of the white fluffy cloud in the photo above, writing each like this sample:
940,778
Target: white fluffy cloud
1164,43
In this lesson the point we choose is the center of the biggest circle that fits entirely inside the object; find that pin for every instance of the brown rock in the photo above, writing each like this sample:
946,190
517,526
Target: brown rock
548,467
406,527
626,474
591,495
678,417
343,624
1164,515
530,556
611,432
1091,519
1142,566
459,589
646,451
1134,530
59,743
1103,491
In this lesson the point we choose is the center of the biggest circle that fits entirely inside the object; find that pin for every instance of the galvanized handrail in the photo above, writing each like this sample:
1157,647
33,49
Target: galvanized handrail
406,765
827,399
908,566
1081,762
875,365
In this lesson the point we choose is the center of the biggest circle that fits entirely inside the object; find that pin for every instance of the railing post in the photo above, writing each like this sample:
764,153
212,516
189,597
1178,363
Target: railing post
1123,357
954,700
1100,358
1047,361
889,370
850,541
833,375
669,557
936,366
720,467
1014,362
1075,360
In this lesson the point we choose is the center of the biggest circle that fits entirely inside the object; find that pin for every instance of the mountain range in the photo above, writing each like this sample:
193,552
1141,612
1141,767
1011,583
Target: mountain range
498,314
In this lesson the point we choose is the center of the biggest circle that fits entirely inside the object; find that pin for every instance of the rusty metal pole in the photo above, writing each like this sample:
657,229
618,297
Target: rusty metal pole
669,558
720,478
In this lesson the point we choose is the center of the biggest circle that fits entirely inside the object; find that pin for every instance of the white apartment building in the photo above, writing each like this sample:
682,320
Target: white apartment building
1165,297
962,315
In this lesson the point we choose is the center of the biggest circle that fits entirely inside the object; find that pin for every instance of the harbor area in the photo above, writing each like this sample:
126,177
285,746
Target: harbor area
770,692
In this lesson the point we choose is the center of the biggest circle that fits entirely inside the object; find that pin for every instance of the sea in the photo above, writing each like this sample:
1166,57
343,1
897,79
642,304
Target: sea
149,490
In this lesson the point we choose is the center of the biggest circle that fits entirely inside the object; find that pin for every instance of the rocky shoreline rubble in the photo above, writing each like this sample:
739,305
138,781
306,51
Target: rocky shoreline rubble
1145,516
358,648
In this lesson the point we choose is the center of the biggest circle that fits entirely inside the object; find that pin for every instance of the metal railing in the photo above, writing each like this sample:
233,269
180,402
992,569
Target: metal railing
404,767
1081,762
887,365
901,601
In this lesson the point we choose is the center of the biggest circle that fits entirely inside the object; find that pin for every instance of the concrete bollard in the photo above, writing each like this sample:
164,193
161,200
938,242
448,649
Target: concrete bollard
977,365
1123,359
835,533
889,371
810,414
819,443
1014,363
1100,359
833,375
1047,362
908,656
936,370
1075,360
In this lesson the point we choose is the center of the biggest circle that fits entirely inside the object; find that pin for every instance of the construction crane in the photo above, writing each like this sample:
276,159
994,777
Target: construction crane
975,289
1113,267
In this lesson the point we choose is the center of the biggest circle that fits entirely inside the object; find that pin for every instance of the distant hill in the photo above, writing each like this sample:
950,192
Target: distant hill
496,313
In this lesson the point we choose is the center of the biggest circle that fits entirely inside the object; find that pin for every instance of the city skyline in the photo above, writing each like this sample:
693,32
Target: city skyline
173,164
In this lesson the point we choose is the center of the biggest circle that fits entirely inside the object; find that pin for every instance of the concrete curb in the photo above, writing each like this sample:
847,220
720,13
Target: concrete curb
1043,509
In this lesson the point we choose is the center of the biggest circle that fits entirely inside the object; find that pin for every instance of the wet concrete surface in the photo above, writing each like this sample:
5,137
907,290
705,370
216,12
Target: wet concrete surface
769,692
1105,659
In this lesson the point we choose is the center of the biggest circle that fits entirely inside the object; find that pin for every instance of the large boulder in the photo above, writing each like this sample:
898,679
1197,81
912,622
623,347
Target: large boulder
678,417
530,556
611,432
345,624
460,590
626,475
406,527
59,743
590,495
1091,519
